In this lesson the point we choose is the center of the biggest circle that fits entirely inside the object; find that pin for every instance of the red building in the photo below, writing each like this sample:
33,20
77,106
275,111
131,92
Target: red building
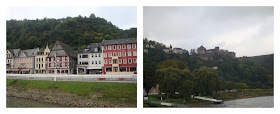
119,56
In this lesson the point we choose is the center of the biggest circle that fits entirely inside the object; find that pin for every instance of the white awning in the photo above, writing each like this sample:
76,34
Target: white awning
94,67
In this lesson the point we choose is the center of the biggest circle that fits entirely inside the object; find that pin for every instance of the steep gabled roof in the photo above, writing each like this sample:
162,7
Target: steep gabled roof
14,51
61,49
119,41
31,52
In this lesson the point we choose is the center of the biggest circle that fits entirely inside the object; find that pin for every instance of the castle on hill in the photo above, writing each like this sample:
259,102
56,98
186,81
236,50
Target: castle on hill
211,54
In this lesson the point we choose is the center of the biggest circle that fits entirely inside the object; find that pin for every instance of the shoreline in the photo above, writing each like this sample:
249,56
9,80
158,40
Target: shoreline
61,98
209,102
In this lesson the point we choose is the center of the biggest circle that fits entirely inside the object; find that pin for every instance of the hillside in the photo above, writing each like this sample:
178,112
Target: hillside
265,61
77,32
255,72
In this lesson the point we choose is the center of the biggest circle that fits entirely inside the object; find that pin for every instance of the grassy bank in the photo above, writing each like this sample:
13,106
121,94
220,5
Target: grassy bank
125,93
239,94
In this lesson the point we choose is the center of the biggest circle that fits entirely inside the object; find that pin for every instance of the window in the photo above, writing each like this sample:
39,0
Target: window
122,69
105,47
110,61
105,61
123,46
95,55
119,47
119,54
129,61
134,60
129,53
91,55
114,54
124,54
105,54
110,55
39,59
109,47
108,69
96,62
41,65
95,49
99,54
115,61
92,62
80,56
100,62
133,46
114,47
128,46
124,61
120,61
134,53
85,56
132,69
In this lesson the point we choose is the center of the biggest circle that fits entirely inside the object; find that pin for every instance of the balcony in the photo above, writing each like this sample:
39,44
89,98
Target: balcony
115,65
115,57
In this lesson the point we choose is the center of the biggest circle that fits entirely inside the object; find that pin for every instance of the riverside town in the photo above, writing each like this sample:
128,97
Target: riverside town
108,57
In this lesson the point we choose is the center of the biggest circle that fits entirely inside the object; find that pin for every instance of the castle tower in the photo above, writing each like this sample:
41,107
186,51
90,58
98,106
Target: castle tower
217,49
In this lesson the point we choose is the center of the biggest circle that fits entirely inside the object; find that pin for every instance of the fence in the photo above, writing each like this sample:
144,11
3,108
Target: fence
129,78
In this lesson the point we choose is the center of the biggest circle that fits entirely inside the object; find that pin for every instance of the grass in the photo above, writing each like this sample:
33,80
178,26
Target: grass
126,92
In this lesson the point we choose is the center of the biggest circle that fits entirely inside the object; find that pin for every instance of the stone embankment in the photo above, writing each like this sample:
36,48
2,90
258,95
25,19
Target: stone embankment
63,99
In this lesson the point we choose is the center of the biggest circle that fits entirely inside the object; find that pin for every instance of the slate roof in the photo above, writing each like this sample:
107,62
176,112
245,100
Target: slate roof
91,48
119,41
28,52
178,48
61,49
14,51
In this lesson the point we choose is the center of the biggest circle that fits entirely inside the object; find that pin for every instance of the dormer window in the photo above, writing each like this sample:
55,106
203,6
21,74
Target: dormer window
86,49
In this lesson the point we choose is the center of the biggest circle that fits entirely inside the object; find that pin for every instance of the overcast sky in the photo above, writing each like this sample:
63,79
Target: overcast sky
248,31
124,17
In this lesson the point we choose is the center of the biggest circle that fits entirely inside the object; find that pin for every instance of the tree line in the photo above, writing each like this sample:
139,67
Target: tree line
77,32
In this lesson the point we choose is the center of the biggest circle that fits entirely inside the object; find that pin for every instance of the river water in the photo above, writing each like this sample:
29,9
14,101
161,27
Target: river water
13,102
256,102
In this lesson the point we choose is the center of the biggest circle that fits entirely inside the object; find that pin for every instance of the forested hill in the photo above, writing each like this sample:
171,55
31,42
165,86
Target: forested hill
77,32
265,61
255,72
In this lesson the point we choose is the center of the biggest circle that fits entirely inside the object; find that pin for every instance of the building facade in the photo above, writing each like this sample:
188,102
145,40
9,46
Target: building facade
41,61
61,60
119,56
10,53
24,61
90,59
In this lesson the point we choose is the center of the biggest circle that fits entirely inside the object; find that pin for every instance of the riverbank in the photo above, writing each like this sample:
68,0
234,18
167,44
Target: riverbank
75,94
226,96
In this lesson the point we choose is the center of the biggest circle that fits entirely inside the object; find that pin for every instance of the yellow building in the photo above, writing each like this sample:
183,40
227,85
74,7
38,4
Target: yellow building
41,61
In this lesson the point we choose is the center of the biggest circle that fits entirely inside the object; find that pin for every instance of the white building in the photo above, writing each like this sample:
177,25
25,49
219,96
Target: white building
90,59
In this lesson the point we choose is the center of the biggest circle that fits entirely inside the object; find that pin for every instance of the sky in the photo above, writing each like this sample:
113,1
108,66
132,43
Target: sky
248,31
125,17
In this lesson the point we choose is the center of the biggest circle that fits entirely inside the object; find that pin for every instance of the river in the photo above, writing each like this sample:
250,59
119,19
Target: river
256,102
13,102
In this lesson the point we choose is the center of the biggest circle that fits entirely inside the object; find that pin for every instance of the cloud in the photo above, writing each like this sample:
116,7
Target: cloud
238,29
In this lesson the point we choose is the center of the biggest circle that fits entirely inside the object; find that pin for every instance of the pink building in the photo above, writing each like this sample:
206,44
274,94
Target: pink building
24,61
